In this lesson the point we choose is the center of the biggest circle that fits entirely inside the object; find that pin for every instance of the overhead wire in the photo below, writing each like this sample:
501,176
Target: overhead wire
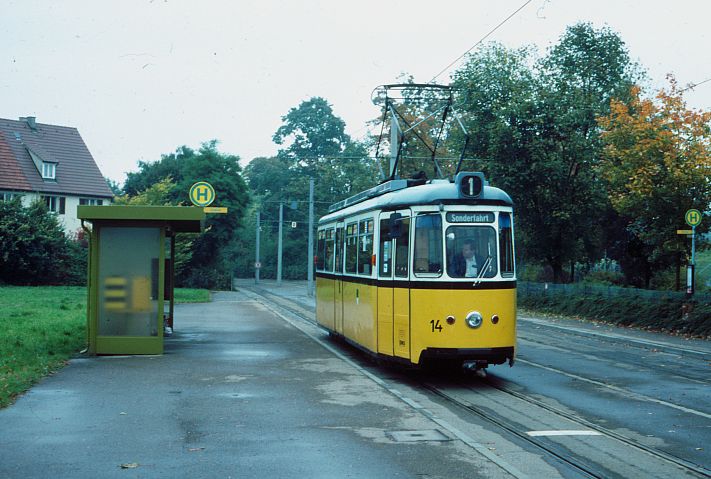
691,87
481,40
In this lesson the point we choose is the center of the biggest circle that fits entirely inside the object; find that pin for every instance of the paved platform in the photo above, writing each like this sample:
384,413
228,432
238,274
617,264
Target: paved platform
239,392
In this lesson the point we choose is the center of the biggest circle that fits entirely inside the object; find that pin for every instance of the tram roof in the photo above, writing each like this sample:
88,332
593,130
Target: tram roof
434,192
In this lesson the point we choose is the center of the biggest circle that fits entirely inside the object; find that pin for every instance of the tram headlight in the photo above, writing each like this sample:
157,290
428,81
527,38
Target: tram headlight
474,319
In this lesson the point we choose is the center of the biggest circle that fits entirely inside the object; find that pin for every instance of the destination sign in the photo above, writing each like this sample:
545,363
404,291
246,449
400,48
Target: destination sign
470,217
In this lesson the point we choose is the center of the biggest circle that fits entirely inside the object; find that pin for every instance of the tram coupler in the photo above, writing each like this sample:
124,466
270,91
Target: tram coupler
477,367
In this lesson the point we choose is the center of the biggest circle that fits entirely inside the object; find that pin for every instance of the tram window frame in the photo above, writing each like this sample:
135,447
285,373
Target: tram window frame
351,249
365,245
507,263
329,253
492,240
403,270
321,251
433,244
385,250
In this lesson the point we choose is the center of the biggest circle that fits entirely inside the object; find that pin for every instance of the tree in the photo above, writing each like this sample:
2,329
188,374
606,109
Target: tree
168,181
657,164
114,186
150,173
535,125
159,194
34,249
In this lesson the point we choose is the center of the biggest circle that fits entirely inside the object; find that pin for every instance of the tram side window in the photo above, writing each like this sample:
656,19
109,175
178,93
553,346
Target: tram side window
339,250
352,248
320,250
471,252
386,252
402,249
365,247
329,251
506,245
428,245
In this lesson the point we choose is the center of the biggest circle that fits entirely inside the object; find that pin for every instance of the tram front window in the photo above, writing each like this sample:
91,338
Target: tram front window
471,252
428,245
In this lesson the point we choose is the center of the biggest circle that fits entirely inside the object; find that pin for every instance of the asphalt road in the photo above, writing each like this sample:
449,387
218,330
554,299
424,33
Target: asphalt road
644,398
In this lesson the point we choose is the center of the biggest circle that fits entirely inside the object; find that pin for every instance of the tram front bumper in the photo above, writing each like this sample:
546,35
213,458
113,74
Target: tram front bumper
488,355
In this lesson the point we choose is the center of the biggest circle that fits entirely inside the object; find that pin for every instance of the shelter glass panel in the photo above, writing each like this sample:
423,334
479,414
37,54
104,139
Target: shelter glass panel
128,281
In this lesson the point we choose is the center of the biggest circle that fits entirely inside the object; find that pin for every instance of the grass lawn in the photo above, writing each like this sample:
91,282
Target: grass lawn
42,327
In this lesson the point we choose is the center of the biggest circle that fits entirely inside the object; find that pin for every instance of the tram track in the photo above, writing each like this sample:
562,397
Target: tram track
553,449
564,348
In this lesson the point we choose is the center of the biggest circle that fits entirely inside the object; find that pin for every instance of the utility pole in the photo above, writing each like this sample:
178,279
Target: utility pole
281,220
257,264
310,287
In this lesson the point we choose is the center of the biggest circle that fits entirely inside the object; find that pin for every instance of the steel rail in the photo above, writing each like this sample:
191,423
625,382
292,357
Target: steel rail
678,461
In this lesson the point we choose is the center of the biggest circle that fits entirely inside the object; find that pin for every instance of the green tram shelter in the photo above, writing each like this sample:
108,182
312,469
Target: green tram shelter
131,253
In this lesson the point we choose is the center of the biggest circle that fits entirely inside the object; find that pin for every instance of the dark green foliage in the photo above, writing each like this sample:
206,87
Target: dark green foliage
34,248
115,188
208,263
656,311
535,124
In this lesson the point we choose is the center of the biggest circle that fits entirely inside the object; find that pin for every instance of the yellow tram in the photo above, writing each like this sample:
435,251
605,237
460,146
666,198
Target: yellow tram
421,271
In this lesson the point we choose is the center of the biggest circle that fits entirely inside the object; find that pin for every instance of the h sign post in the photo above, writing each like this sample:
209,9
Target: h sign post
693,219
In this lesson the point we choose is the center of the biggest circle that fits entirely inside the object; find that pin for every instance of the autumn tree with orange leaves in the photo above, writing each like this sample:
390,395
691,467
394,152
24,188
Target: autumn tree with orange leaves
657,164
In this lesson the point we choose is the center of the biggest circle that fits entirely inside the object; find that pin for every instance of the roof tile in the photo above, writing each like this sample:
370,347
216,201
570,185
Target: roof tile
77,172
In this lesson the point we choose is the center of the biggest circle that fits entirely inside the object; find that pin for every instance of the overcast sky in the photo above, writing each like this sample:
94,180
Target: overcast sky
141,78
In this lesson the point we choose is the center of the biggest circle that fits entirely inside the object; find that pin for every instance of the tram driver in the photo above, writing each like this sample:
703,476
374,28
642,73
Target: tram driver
465,264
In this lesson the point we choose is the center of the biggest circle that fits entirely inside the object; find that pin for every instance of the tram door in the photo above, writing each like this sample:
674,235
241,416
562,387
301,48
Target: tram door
394,292
338,270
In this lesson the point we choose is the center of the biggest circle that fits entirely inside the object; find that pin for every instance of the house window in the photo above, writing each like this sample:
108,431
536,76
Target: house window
49,170
55,203
6,196
90,202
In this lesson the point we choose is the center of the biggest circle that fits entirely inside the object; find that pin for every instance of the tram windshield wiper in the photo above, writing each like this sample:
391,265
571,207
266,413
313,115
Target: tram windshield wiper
486,266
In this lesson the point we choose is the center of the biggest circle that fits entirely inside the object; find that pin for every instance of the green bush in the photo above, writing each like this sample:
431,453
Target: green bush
34,249
661,313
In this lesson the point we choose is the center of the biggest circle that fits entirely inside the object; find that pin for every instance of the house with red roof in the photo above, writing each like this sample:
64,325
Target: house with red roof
51,163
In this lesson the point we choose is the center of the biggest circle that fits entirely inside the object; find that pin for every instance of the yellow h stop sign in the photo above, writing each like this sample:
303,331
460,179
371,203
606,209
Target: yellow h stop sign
693,217
202,193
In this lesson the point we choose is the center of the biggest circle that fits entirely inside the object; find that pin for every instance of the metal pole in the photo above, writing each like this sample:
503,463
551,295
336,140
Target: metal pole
690,286
281,220
693,245
310,288
256,259
394,144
